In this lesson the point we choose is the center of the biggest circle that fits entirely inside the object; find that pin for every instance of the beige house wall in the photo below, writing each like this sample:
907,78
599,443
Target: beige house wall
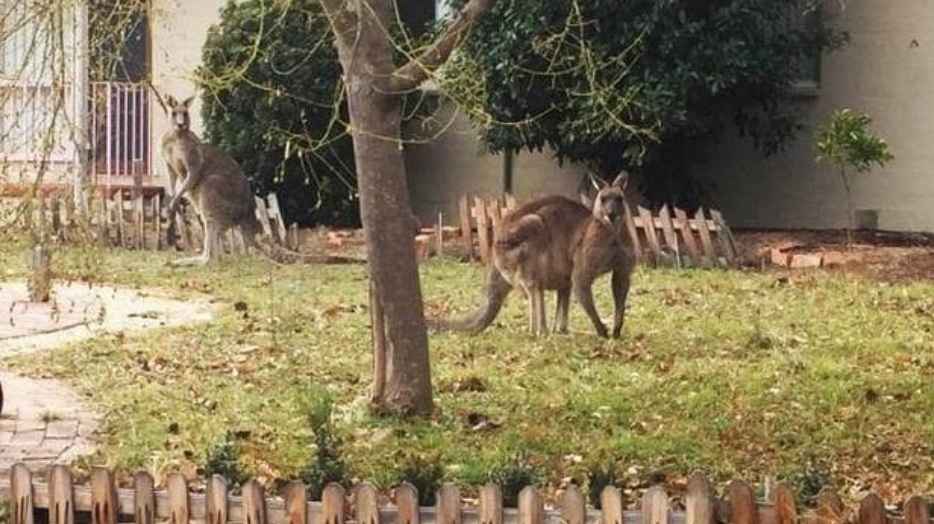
446,160
887,70
179,29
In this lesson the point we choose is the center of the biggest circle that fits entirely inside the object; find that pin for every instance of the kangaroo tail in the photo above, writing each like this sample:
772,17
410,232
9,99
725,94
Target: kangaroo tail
497,288
281,255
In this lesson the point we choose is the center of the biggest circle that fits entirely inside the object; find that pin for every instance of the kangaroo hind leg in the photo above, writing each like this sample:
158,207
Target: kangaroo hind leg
209,251
561,310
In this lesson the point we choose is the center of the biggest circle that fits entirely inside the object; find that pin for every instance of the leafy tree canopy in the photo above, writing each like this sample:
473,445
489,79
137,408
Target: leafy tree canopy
273,99
611,83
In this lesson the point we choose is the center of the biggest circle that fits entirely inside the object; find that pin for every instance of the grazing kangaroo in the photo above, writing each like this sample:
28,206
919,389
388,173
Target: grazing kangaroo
218,190
555,243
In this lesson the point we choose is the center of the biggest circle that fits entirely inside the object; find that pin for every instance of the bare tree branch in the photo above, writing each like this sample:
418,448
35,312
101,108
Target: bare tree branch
416,71
342,17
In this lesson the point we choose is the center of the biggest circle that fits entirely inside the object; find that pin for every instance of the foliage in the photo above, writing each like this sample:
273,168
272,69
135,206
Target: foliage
425,472
327,464
273,99
611,83
598,479
224,459
809,481
849,146
845,381
512,476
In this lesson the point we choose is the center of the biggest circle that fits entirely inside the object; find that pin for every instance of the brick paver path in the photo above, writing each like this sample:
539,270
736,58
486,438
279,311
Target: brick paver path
44,422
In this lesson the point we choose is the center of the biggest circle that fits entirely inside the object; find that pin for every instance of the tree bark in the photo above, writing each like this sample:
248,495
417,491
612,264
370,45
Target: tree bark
374,87
376,121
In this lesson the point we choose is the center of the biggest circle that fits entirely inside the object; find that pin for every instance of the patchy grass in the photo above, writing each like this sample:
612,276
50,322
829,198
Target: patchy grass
810,377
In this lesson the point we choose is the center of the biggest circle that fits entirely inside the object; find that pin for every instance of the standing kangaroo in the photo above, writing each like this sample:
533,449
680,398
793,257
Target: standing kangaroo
218,190
555,243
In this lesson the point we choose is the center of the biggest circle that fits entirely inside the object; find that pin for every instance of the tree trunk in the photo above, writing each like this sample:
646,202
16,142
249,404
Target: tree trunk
375,87
376,122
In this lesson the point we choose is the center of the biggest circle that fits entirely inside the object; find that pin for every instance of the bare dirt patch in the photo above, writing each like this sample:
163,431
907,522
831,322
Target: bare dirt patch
878,255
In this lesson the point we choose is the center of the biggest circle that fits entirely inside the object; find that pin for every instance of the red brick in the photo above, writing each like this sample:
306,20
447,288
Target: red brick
805,260
778,258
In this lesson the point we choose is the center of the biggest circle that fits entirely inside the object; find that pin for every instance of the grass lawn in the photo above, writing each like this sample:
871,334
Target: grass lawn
810,377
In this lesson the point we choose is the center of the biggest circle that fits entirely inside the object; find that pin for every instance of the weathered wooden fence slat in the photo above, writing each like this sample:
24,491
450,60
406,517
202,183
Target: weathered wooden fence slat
872,510
296,504
332,504
406,498
103,497
61,503
743,508
448,504
491,504
668,237
176,503
783,502
698,502
21,496
145,498
655,506
531,506
917,511
135,222
573,505
611,506
367,504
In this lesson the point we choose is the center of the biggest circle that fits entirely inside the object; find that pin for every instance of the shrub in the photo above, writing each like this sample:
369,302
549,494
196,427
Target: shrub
327,465
512,476
224,459
425,472
851,148
273,99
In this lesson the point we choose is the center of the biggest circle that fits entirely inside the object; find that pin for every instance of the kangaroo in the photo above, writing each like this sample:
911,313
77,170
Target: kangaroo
219,192
555,243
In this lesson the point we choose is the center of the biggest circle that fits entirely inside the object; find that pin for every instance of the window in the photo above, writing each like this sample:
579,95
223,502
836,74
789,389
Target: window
805,14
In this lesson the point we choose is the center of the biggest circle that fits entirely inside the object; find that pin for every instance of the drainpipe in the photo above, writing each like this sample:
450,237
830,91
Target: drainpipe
507,172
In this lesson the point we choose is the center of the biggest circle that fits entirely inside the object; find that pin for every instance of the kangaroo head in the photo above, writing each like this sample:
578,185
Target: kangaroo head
178,112
609,205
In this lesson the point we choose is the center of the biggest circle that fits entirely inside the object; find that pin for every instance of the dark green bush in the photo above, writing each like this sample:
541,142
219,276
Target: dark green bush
425,473
327,465
512,476
224,459
273,99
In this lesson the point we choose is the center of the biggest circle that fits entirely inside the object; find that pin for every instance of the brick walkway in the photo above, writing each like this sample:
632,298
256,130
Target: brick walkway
44,422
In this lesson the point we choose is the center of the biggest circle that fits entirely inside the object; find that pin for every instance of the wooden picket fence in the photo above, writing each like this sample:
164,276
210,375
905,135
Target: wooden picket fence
668,237
136,222
178,503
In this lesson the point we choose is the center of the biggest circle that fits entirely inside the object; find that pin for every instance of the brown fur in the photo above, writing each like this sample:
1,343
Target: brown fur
219,191
555,243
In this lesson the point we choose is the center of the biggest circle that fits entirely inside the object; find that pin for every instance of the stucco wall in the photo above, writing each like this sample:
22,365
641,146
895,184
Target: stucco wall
886,71
179,28
446,160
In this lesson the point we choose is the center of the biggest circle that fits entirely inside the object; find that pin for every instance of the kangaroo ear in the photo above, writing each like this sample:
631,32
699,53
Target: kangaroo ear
597,182
188,101
621,180
170,102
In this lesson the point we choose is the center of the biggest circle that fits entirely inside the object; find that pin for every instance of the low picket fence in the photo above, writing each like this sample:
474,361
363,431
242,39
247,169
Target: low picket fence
135,221
667,237
216,503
